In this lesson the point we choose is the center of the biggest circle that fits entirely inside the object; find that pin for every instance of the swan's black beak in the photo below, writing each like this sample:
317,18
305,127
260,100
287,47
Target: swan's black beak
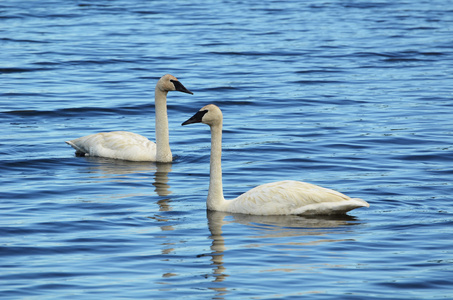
196,118
179,87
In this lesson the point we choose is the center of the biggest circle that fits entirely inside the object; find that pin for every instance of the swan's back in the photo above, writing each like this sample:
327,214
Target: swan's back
116,144
293,198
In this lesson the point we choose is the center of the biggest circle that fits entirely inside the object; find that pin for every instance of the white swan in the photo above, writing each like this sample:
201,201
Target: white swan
131,146
277,198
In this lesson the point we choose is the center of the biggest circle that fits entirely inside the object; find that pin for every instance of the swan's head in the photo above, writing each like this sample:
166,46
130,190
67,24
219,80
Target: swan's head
170,83
209,114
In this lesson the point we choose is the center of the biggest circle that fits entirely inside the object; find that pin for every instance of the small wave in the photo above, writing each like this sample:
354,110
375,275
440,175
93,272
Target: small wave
403,56
256,53
69,112
220,88
314,82
24,40
21,70
318,71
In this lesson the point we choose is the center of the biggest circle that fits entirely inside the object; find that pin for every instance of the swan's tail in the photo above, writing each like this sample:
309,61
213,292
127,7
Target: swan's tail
331,208
79,151
361,202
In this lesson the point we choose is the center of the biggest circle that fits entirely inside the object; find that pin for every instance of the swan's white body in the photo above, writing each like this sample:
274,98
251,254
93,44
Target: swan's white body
116,144
276,198
291,197
131,146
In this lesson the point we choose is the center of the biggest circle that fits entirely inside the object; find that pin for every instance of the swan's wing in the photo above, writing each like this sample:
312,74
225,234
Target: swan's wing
293,197
116,144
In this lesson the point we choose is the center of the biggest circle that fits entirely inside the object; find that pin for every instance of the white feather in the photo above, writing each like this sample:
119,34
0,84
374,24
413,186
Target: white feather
277,198
131,146
116,144
293,198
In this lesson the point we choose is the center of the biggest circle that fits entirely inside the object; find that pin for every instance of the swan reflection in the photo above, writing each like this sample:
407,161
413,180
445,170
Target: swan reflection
140,172
268,230
122,171
161,184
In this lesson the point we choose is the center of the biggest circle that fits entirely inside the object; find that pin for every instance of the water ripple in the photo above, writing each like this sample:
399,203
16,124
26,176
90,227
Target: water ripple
354,96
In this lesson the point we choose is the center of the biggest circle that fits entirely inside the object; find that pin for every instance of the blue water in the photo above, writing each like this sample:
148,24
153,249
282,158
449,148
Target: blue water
351,95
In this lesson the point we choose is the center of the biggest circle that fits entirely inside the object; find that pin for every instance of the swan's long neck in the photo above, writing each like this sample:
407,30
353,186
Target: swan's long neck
216,201
163,152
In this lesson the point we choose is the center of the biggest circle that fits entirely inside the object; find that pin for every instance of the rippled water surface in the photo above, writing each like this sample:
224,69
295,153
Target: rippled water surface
351,95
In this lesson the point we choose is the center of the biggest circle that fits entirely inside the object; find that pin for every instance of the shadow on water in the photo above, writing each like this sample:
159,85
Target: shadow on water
117,169
129,171
269,228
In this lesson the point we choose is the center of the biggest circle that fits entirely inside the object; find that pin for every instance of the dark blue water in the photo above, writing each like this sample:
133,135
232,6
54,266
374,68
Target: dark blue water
351,95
